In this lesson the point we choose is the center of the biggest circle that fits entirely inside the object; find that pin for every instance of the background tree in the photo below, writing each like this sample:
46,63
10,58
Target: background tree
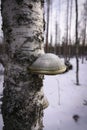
67,30
77,43
51,23
47,24
23,97
59,30
56,37
70,23
84,30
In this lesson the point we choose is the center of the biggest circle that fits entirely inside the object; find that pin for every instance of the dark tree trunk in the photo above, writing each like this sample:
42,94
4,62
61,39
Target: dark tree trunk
47,25
84,30
77,45
84,39
71,7
67,31
51,36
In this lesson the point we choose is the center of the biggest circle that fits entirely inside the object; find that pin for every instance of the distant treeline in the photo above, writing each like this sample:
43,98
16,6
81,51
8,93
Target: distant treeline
60,50
69,50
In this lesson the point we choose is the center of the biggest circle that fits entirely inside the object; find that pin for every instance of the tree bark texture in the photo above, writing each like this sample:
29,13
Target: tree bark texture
23,97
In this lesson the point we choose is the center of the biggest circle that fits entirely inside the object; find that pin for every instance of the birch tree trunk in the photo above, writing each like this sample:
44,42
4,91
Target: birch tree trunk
51,36
77,44
84,40
67,30
47,25
56,37
59,31
70,23
23,97
84,30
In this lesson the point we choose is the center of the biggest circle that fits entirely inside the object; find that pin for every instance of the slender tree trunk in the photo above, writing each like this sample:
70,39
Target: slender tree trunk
56,37
70,29
23,97
47,24
84,30
67,31
59,34
84,39
50,46
77,45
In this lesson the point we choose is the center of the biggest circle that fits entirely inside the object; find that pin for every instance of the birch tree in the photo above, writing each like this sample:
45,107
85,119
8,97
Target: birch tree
23,97
84,29
47,24
56,37
51,36
67,30
70,23
59,31
77,43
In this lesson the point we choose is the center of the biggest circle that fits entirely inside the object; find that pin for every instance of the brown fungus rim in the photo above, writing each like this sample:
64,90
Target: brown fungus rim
47,72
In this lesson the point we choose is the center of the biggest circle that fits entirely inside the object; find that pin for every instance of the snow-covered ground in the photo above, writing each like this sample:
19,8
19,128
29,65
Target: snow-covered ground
67,102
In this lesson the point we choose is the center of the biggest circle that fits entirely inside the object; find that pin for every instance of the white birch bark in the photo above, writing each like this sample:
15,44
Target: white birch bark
23,98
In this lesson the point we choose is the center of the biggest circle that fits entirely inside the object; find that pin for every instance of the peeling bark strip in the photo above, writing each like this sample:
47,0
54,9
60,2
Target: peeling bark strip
23,98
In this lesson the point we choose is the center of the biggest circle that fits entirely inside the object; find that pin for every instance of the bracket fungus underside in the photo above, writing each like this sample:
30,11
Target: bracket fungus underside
48,64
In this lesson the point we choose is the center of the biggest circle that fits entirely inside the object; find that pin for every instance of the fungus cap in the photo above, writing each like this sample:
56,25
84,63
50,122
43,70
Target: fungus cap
48,64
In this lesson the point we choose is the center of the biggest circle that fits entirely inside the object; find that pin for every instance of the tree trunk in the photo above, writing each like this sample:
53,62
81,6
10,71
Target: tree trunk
67,30
59,31
47,25
84,39
71,7
77,45
84,30
51,24
23,97
56,37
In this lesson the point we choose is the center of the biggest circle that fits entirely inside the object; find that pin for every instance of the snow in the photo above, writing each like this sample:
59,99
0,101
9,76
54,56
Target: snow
66,99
